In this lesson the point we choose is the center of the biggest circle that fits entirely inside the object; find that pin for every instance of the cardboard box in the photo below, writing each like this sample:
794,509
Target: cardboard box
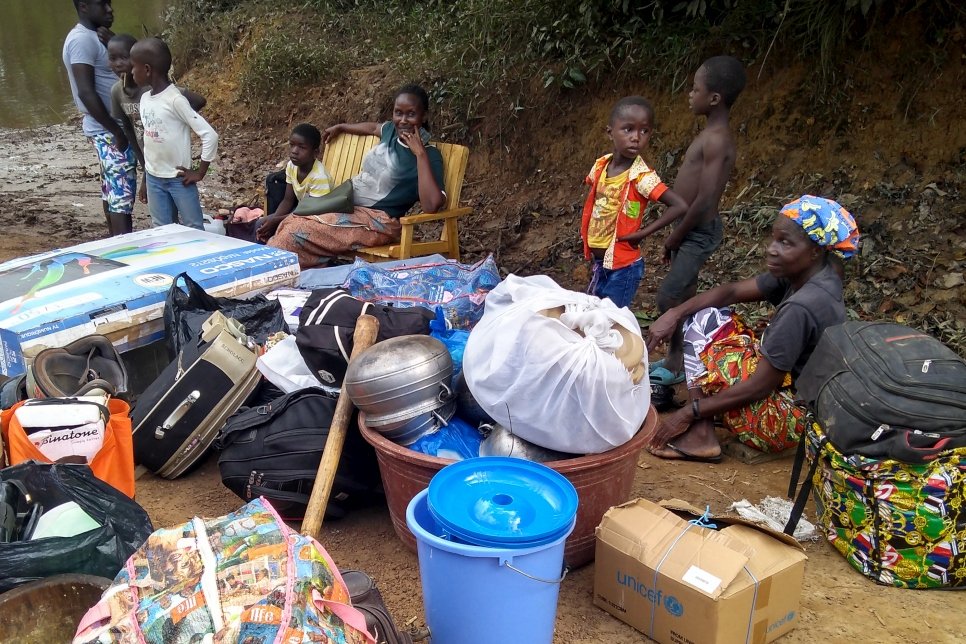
117,287
680,583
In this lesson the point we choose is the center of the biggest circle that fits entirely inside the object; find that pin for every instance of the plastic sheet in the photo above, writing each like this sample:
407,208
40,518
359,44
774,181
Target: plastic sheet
459,289
458,440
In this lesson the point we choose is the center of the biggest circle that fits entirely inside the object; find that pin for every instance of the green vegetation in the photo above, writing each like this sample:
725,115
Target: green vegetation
469,50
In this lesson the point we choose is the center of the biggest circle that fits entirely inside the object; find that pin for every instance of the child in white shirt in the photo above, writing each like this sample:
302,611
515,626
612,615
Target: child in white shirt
168,122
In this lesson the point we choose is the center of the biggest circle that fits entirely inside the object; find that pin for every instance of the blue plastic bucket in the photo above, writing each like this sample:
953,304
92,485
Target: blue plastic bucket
502,502
483,595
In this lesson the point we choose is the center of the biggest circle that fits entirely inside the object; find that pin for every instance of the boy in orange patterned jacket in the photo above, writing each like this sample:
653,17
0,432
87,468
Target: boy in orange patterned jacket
621,185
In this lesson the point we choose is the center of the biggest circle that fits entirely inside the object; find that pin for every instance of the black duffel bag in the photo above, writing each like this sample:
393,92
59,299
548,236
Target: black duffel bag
274,450
884,390
328,319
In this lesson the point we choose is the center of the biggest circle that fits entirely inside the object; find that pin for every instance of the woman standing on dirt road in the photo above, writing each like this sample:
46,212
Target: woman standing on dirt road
746,383
399,171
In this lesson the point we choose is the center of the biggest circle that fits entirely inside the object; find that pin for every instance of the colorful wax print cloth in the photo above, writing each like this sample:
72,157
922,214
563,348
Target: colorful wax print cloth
245,577
728,353
900,524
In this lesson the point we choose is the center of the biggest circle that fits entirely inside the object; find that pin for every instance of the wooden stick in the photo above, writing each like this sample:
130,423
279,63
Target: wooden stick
367,327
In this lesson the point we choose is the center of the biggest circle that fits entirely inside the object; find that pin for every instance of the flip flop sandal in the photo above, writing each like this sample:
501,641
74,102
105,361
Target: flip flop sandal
662,376
657,364
685,456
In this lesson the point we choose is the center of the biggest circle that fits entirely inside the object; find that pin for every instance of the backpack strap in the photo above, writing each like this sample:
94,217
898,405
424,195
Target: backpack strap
803,492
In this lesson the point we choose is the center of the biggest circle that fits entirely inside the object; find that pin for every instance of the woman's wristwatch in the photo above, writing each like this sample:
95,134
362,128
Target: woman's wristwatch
696,408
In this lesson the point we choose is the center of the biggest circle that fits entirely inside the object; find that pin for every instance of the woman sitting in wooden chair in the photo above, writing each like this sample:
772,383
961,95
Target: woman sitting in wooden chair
401,170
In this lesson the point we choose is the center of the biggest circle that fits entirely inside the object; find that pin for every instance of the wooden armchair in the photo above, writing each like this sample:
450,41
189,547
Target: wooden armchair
343,159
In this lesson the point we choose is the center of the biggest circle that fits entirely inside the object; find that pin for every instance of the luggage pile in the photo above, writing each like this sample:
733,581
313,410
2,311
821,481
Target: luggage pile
75,423
888,452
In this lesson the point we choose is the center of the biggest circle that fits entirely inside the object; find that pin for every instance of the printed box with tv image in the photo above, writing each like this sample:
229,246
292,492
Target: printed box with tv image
117,287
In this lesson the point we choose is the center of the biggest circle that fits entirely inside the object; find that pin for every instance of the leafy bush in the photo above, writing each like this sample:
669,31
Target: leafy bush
278,63
469,51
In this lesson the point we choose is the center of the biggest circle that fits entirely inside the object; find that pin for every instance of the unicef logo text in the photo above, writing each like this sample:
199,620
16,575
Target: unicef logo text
657,597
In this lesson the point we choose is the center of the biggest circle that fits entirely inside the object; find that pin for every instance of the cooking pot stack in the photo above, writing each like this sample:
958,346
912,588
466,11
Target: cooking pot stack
403,386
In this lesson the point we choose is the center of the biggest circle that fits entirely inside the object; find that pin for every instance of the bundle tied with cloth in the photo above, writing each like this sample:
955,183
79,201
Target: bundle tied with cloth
561,369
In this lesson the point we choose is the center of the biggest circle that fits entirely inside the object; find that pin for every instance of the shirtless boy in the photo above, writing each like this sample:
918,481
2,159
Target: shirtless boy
700,181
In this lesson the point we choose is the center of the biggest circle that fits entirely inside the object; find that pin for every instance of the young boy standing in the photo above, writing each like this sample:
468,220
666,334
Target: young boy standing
126,99
701,180
621,186
168,122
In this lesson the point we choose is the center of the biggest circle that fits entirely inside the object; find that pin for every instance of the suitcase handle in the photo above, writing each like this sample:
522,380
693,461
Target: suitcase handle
177,414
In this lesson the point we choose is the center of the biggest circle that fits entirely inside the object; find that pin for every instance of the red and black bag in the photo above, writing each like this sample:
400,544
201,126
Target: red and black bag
883,390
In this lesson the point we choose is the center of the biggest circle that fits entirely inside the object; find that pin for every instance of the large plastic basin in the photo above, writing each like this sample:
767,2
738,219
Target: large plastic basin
602,481
48,610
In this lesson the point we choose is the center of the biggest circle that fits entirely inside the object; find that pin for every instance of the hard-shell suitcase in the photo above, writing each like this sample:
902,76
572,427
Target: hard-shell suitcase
179,415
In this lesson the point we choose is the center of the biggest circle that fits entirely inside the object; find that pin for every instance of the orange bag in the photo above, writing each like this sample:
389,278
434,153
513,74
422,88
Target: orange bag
113,463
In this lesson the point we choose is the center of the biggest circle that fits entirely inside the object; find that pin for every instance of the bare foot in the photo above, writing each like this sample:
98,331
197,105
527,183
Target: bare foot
698,442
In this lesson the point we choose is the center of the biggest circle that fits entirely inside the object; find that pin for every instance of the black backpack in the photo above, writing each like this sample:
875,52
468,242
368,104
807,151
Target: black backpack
328,319
274,451
275,186
884,390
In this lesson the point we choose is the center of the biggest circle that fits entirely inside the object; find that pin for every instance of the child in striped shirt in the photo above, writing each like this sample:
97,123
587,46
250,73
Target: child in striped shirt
304,175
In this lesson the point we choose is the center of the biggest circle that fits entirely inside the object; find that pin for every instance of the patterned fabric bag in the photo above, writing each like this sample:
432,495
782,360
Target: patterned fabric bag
459,289
900,524
245,577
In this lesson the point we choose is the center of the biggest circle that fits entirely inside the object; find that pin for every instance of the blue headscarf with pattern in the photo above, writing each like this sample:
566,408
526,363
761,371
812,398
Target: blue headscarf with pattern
826,223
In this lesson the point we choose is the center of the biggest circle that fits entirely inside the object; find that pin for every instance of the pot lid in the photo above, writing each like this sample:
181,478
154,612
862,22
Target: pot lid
502,502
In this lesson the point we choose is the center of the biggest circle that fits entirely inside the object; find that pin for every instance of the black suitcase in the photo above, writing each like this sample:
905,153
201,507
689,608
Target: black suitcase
274,449
179,414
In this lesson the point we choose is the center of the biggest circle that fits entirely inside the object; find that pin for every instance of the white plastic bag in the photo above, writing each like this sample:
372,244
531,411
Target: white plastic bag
284,367
552,385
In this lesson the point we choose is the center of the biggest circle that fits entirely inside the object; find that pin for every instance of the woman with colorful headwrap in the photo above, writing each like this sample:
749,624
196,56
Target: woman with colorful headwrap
733,375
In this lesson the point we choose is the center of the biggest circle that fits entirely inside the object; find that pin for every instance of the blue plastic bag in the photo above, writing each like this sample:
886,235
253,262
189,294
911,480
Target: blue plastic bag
454,339
459,289
457,440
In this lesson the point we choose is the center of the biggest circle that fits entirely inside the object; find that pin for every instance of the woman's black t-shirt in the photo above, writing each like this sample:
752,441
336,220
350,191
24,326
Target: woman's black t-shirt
801,318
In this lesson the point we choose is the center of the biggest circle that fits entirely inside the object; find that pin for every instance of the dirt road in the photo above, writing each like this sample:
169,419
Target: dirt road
50,197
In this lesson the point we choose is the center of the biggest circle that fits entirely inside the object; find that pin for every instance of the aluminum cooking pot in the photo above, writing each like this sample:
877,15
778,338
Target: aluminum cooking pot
407,432
399,379
500,441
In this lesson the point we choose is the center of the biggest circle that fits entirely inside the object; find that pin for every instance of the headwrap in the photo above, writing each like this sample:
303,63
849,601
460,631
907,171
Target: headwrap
826,223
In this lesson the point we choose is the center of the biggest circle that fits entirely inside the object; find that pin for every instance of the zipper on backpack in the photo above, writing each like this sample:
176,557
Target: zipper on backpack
925,366
878,432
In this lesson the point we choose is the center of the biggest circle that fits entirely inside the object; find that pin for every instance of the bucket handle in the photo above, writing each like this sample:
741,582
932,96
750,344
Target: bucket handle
563,573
